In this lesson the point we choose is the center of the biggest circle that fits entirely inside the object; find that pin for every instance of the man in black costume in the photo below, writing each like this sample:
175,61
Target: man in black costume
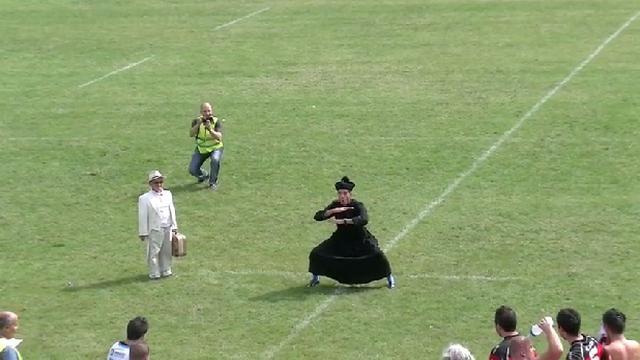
351,255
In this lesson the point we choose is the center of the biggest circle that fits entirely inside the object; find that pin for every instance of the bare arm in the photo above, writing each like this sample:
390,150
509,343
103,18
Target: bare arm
554,345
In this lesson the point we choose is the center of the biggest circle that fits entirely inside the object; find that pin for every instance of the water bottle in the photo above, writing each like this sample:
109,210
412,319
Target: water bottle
536,330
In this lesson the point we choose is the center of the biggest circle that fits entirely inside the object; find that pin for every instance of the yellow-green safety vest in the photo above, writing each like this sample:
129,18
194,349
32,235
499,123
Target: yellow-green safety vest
204,142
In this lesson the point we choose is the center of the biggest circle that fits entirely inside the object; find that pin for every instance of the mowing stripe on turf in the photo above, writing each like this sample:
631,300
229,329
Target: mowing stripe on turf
429,207
240,19
117,71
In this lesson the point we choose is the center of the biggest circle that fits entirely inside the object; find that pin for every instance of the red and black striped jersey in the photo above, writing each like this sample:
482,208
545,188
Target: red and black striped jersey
501,351
587,348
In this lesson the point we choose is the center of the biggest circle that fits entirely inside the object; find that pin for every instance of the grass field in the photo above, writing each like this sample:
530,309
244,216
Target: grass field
403,96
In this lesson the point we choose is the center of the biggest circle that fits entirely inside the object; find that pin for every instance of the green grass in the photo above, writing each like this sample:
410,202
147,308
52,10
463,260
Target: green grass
403,96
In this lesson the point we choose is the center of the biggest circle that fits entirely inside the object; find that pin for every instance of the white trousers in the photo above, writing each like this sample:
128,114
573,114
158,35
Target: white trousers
159,252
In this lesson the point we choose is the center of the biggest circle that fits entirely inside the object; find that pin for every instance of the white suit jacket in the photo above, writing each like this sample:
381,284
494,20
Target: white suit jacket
148,217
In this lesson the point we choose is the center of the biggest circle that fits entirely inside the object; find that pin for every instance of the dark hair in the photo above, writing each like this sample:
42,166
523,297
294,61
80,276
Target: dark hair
506,318
6,319
569,320
614,320
137,328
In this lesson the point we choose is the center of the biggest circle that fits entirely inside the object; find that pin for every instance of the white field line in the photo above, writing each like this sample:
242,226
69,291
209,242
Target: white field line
485,155
300,275
464,277
428,209
240,19
43,138
116,71
152,56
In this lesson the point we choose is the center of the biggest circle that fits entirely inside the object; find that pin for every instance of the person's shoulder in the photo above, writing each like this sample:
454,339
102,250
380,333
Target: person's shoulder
9,350
194,121
144,195
118,343
586,339
632,343
614,346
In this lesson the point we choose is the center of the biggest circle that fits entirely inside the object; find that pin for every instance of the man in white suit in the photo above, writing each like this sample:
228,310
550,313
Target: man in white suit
156,222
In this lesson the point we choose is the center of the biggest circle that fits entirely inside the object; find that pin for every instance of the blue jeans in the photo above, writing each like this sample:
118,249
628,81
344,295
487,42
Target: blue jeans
195,167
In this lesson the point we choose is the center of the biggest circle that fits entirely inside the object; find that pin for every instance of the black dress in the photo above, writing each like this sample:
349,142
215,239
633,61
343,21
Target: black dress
351,255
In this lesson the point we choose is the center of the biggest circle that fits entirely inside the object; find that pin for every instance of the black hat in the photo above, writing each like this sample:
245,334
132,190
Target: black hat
345,184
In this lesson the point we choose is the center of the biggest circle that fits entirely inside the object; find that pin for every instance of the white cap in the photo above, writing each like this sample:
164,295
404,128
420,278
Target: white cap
155,174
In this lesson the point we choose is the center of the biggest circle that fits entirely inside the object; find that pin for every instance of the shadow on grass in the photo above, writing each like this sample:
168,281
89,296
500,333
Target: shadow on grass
300,292
108,283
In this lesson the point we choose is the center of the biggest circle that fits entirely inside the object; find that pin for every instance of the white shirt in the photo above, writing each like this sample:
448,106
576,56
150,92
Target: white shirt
164,210
119,351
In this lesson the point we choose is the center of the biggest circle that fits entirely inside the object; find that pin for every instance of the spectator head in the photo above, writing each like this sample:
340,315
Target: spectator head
568,321
614,322
521,348
505,320
457,352
138,350
8,324
137,328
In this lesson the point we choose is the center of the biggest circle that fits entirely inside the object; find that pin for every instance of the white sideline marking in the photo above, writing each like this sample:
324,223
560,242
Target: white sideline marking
454,185
271,352
485,155
240,19
298,275
116,71
464,277
284,274
43,138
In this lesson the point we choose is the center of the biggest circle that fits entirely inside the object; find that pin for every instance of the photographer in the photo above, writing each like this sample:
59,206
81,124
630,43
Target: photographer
207,130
